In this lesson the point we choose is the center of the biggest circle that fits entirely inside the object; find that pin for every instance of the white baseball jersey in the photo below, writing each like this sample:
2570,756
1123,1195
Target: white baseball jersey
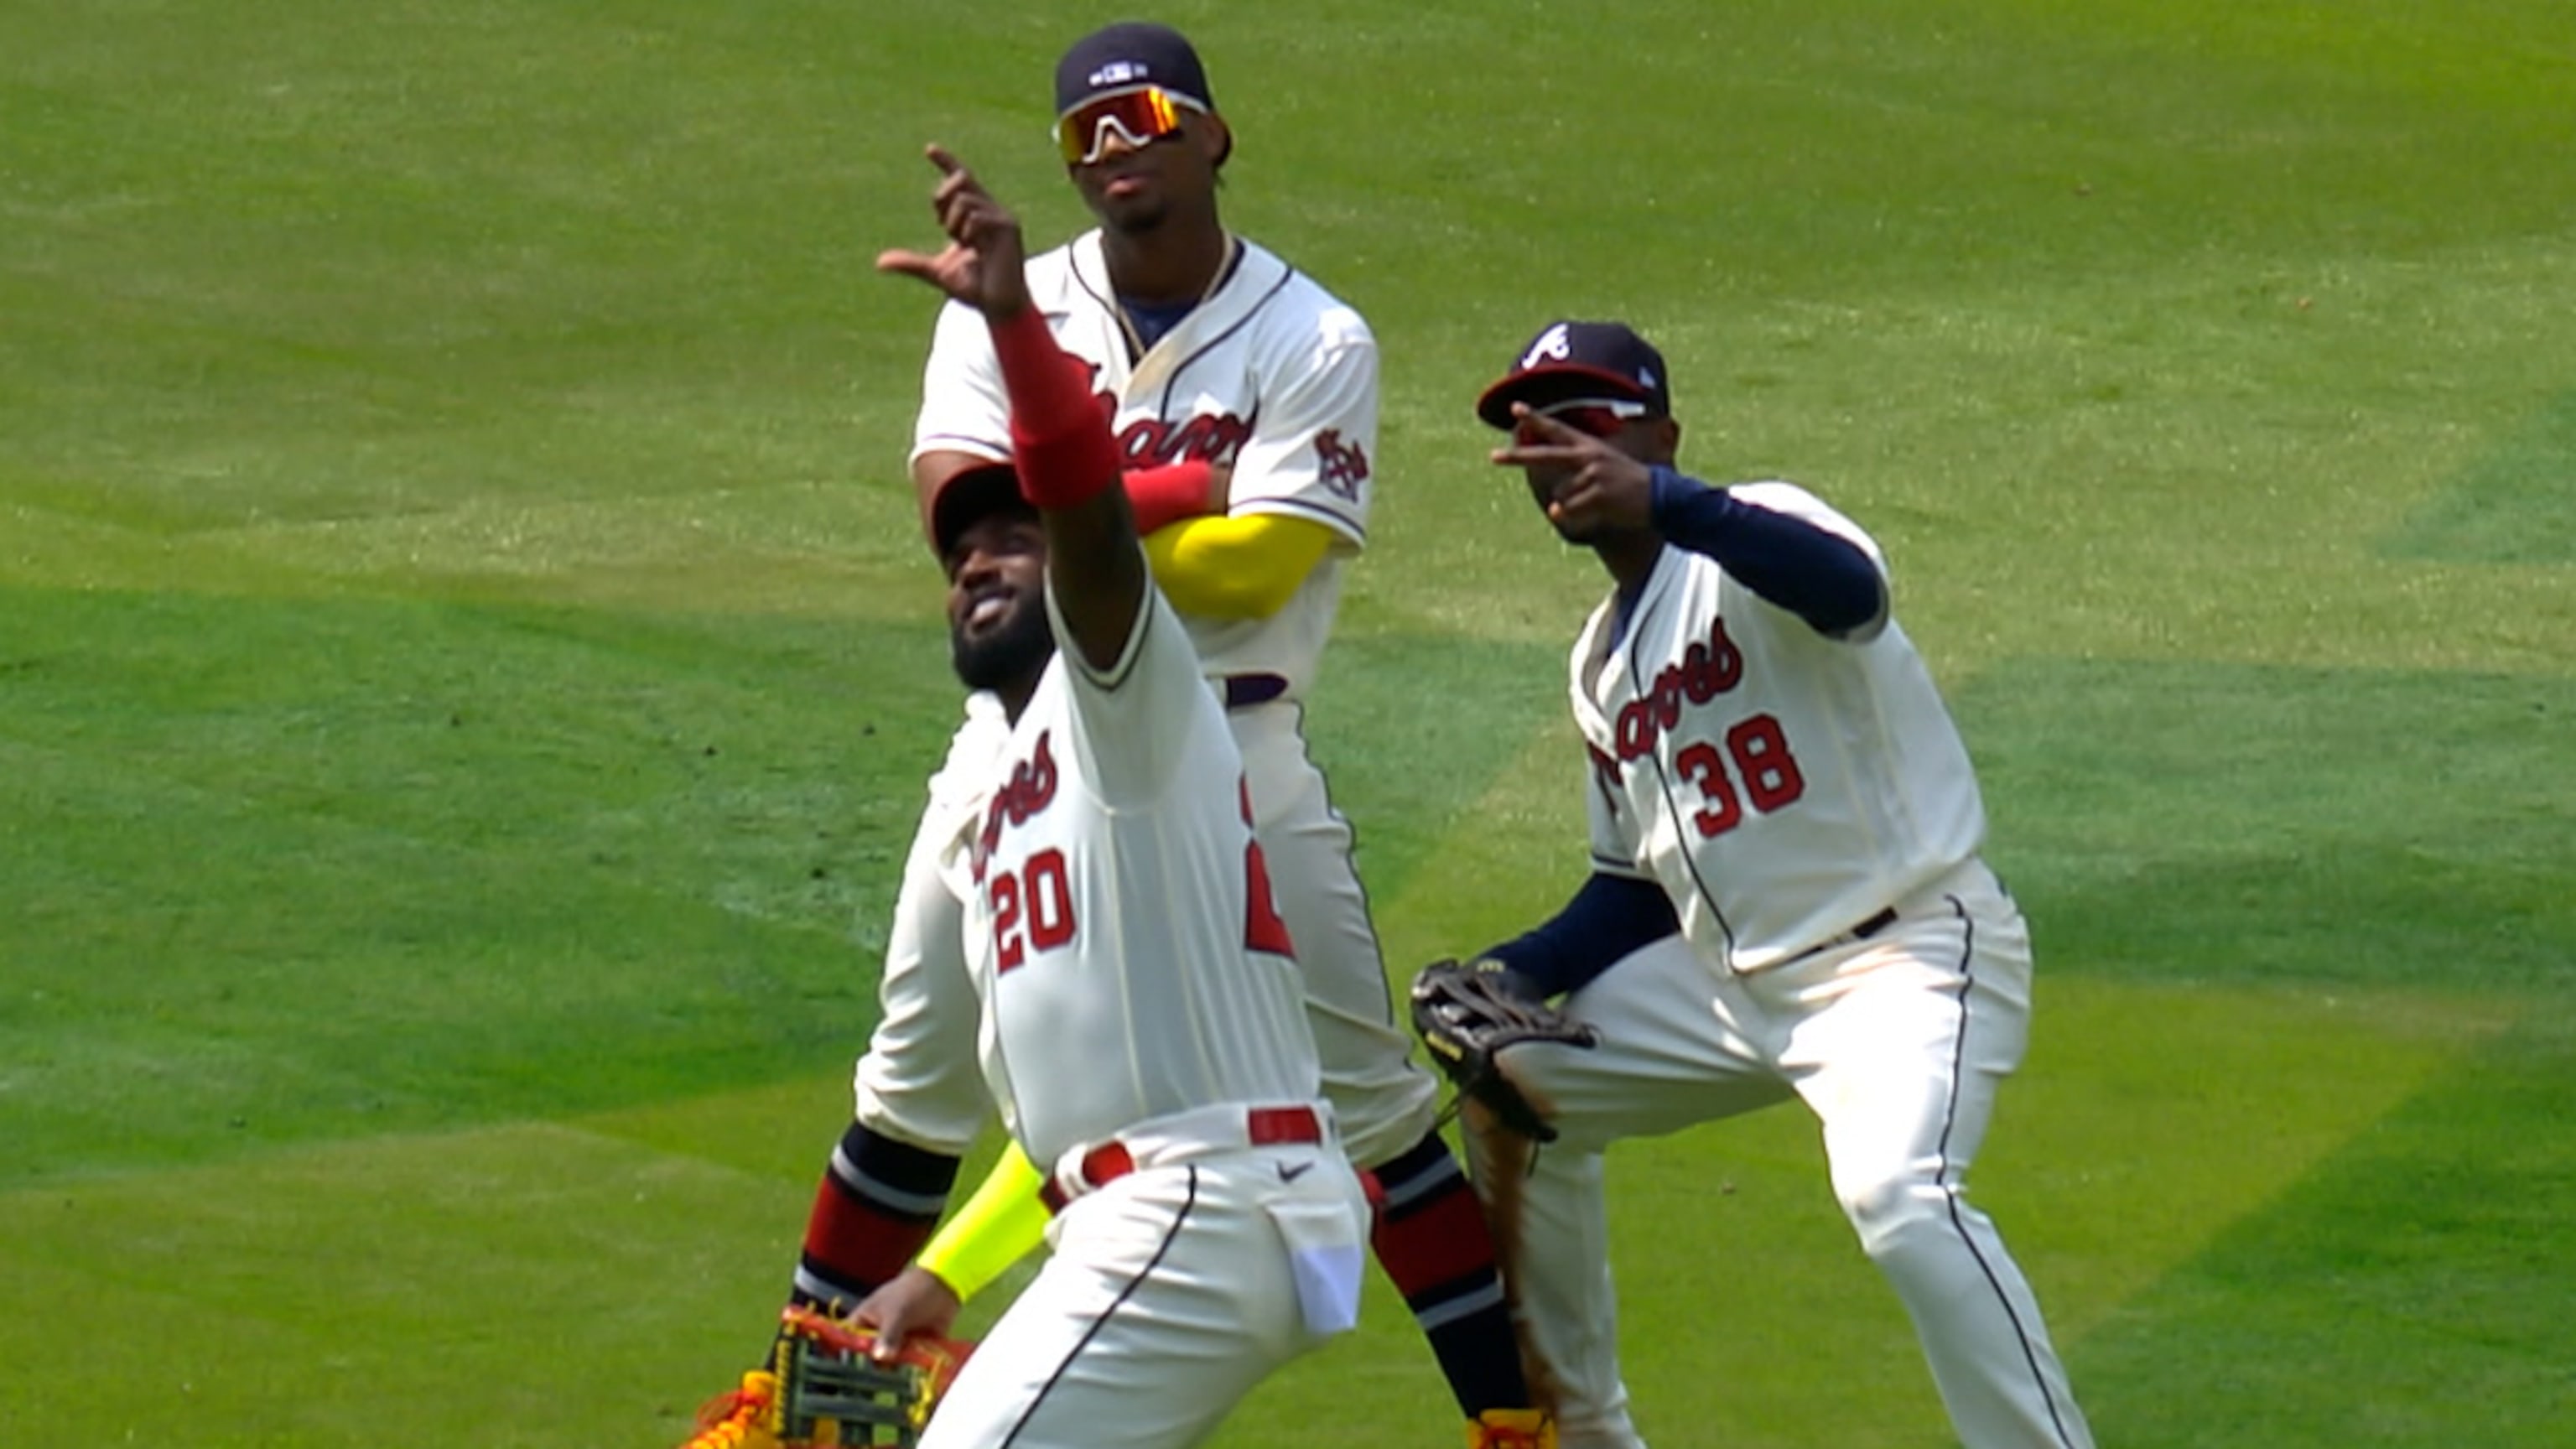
1118,922
1783,787
1270,375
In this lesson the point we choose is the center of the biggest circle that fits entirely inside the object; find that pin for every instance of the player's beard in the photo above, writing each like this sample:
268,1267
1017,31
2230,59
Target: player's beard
1017,650
1140,218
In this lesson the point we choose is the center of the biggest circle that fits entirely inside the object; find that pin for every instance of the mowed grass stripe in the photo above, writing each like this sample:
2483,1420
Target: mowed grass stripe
321,867
838,548
2205,821
2409,1291
2513,505
328,1296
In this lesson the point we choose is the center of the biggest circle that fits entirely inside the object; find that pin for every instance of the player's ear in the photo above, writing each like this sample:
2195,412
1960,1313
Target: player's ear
1216,140
1666,435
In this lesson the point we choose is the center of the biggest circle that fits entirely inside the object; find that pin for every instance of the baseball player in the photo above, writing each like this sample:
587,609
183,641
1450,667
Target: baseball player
1244,401
1141,1025
1786,895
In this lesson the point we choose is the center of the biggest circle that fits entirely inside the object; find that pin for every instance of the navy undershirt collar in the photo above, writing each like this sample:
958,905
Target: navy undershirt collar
1151,322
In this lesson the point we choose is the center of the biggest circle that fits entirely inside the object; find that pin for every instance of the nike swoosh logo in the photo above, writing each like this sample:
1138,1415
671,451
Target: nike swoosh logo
1288,1173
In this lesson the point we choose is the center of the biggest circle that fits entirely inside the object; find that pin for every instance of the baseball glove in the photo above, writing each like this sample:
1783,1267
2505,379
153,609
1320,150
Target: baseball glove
831,1391
1466,1014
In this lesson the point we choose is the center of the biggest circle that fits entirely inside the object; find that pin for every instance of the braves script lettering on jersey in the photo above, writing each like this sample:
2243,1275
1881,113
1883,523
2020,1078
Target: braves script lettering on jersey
1781,786
1269,376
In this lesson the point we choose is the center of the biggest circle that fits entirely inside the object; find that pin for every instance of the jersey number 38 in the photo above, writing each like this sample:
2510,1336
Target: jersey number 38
1761,759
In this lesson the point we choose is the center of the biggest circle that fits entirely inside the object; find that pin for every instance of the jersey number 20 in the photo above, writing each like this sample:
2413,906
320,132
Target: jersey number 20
1033,907
1040,890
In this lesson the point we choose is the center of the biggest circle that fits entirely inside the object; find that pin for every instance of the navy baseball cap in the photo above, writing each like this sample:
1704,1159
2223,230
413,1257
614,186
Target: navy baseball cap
1129,56
1569,360
970,496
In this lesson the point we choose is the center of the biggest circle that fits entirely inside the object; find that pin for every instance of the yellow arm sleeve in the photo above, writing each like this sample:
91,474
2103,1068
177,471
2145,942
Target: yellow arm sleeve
996,1228
1245,567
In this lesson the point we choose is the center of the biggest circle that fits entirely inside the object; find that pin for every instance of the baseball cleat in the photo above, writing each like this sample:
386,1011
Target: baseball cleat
1512,1429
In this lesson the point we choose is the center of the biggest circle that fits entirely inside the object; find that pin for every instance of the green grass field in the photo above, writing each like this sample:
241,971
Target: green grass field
467,664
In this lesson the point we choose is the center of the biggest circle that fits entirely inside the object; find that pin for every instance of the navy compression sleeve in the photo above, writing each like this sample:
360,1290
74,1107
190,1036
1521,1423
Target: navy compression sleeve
1611,916
1817,575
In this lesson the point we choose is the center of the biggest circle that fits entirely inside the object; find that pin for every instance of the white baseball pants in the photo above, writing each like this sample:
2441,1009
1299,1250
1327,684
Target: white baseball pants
1897,1043
1170,1293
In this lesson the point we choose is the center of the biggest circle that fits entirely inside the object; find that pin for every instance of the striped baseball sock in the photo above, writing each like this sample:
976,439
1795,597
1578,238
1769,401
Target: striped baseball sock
873,1210
1432,1240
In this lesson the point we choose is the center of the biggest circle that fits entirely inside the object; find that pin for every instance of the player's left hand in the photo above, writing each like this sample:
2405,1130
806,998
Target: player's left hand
913,1302
1596,484
1468,1014
985,262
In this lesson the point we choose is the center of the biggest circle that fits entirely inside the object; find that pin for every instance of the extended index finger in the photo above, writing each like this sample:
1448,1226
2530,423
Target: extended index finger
1544,441
956,185
1543,454
1526,421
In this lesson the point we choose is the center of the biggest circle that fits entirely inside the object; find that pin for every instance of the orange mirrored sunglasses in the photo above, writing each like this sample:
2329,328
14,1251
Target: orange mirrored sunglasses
1140,116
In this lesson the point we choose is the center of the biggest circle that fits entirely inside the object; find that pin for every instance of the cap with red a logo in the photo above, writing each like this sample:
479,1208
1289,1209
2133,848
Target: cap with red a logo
1571,360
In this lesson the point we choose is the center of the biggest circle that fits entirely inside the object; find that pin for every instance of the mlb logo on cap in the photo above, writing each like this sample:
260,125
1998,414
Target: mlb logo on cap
1125,56
1569,360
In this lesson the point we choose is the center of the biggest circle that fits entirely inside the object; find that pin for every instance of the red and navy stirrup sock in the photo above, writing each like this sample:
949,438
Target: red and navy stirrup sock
1432,1240
875,1207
